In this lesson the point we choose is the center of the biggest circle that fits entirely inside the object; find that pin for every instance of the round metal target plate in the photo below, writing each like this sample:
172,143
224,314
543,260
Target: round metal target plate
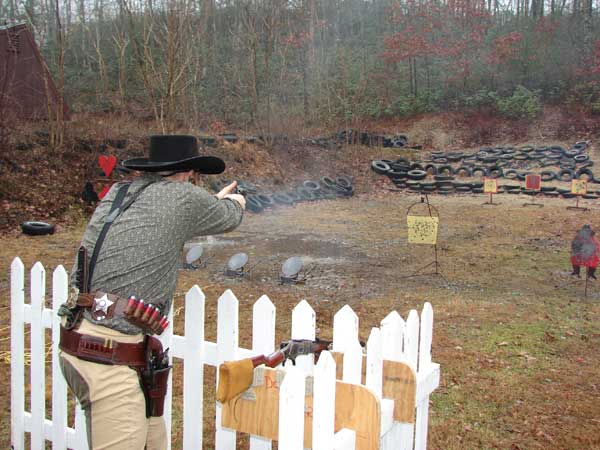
237,261
291,267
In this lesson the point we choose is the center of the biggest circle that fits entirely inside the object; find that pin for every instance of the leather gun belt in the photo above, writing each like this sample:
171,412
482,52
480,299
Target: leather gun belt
102,305
101,350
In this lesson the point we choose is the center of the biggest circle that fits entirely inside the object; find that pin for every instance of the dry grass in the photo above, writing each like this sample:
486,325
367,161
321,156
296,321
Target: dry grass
517,341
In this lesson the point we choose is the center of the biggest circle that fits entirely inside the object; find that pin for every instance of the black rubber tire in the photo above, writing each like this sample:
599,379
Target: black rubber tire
494,172
327,182
305,194
581,158
282,199
253,205
342,191
266,201
416,174
33,228
294,196
394,175
445,168
380,167
561,175
467,172
311,185
431,169
478,169
511,174
400,166
571,153
584,171
547,175
455,157
344,181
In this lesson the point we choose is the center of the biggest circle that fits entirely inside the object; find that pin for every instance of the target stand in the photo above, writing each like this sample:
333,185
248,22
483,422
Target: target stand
490,186
578,188
423,230
533,182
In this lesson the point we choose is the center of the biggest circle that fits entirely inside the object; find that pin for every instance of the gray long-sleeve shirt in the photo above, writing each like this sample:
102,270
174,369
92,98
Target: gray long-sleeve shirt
142,251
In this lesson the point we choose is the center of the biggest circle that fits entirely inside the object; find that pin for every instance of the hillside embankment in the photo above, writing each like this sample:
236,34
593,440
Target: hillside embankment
40,183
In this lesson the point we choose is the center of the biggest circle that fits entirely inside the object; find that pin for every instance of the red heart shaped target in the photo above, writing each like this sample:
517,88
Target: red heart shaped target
107,163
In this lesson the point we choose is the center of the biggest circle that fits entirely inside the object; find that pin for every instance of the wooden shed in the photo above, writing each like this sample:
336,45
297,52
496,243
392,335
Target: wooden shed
27,90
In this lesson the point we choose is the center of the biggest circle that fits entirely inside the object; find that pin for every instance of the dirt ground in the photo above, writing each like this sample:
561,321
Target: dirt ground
517,341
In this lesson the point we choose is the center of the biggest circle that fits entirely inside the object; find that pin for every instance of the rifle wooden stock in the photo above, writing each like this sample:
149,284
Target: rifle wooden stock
272,360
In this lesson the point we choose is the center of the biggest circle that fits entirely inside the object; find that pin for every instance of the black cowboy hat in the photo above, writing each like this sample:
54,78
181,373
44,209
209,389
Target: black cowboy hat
177,153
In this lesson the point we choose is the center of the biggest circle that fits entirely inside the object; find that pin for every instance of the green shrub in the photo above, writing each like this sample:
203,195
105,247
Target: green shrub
482,100
522,104
409,105
585,96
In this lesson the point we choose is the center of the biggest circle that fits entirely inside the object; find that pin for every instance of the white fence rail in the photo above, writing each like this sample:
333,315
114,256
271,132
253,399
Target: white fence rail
395,340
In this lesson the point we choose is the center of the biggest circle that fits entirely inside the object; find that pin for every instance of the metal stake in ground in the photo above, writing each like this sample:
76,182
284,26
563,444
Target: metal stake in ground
533,182
490,186
422,229
578,188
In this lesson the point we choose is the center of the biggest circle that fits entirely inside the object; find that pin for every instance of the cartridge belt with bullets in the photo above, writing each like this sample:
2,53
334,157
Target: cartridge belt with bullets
101,350
103,305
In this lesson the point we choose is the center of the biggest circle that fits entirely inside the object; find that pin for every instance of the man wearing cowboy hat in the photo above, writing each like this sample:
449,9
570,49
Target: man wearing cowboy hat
123,289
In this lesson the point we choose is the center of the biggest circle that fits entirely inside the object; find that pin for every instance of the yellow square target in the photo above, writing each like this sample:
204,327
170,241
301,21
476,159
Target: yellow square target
422,229
490,186
578,187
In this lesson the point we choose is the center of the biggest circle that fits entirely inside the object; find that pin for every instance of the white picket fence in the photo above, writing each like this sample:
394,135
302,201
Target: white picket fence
396,340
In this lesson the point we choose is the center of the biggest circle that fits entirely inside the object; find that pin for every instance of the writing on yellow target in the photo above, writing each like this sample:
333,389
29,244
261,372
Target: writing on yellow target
579,187
490,186
422,229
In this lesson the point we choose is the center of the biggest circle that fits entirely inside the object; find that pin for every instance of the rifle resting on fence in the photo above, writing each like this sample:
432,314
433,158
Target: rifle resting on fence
236,376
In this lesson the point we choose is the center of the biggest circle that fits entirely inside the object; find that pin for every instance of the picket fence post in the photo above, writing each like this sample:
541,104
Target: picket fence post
291,400
38,357
227,345
17,350
263,342
193,368
395,340
60,295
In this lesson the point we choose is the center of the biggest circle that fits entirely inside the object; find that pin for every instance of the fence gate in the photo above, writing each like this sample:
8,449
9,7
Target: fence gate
389,381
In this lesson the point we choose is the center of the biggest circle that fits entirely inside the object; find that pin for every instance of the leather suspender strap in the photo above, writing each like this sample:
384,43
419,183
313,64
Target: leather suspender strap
112,215
116,209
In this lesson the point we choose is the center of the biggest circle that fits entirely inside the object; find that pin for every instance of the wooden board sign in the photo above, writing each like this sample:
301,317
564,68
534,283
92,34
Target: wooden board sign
578,187
399,384
422,229
533,182
490,186
256,411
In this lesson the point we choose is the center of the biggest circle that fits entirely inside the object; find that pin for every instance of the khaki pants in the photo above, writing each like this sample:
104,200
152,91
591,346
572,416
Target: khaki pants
112,399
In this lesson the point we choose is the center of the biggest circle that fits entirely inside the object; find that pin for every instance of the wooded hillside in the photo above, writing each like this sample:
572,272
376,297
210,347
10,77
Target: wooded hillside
275,63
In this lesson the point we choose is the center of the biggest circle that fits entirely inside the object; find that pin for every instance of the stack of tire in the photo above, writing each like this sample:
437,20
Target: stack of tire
326,188
552,163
